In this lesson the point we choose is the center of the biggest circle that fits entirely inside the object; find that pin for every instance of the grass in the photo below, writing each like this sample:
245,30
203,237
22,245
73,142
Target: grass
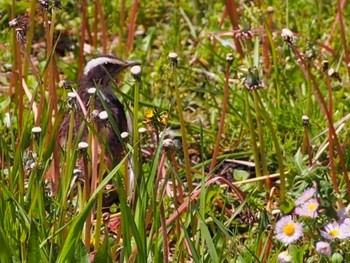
227,137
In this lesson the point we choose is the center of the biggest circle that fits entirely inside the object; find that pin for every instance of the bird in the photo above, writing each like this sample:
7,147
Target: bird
99,73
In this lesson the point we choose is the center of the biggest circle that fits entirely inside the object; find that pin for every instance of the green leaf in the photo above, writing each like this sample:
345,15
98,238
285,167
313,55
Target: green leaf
6,252
81,255
240,175
103,254
33,244
76,228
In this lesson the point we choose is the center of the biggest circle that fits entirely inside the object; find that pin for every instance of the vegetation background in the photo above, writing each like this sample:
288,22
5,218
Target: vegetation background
233,127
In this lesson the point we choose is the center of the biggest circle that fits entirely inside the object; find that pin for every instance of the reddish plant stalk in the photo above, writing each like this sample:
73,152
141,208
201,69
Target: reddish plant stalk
103,26
132,24
330,140
231,8
222,118
82,37
343,36
321,102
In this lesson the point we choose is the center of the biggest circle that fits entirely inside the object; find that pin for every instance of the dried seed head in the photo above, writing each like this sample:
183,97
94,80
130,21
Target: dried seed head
142,130
71,99
82,145
124,135
76,172
103,115
7,120
288,36
168,144
106,217
136,71
94,114
252,80
229,58
71,95
305,120
36,130
270,10
92,91
325,65
334,74
21,36
173,58
21,22
48,5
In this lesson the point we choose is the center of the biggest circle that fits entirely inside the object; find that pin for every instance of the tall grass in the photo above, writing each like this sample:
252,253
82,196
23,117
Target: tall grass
218,147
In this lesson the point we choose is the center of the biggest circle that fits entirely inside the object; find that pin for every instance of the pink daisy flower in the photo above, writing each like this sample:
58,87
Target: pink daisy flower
305,196
288,231
284,257
308,209
333,231
323,248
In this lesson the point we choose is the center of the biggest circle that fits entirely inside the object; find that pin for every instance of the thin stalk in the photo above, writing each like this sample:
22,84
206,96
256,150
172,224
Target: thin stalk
99,196
135,137
30,34
132,24
330,141
252,137
164,232
322,104
87,193
231,9
307,146
343,37
121,27
103,26
173,57
95,26
277,149
260,134
82,37
222,117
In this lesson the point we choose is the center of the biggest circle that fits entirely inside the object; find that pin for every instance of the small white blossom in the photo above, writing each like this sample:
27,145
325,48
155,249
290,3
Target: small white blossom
82,145
92,91
124,135
323,248
36,130
103,115
284,257
288,231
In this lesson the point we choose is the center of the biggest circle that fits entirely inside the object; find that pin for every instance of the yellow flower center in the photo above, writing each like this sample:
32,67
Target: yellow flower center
312,206
334,232
289,229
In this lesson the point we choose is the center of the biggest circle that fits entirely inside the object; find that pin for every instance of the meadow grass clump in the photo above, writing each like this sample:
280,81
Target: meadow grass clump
238,150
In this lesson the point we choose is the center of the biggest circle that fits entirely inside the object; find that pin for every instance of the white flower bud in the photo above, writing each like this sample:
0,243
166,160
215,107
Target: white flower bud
103,115
82,145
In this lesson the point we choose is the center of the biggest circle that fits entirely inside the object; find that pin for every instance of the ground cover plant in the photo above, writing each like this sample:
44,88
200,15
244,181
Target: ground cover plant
239,150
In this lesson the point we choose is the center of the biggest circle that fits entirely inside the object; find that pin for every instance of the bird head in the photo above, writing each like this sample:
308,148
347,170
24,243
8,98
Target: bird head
103,69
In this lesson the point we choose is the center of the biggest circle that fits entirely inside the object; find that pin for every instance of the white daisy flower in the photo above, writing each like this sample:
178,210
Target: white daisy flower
323,248
288,231
284,257
332,231
305,196
308,209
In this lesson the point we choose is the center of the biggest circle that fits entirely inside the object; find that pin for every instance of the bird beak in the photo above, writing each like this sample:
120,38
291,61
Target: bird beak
132,63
